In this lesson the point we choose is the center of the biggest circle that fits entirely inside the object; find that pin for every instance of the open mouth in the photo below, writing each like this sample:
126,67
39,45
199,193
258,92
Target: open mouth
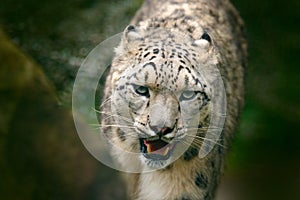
156,149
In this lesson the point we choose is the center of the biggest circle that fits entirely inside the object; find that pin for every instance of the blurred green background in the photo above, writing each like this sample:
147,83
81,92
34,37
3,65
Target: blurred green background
42,44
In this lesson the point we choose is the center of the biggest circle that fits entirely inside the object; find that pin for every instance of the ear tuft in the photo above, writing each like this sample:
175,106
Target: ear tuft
131,33
204,41
130,28
206,36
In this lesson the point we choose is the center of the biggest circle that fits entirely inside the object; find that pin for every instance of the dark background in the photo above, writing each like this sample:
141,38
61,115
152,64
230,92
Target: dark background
42,44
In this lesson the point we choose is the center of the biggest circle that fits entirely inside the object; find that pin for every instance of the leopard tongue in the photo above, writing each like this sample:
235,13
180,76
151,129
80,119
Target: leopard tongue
157,147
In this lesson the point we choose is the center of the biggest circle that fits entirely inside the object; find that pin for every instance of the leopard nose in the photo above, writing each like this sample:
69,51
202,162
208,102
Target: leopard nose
161,131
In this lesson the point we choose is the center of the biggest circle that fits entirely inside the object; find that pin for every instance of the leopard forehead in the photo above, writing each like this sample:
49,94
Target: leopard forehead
166,52
164,45
173,75
161,59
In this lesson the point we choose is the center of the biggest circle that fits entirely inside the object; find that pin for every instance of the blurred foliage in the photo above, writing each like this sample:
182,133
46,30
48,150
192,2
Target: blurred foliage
270,122
265,159
60,33
41,156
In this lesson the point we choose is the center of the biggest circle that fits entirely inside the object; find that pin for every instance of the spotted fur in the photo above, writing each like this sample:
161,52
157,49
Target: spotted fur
160,84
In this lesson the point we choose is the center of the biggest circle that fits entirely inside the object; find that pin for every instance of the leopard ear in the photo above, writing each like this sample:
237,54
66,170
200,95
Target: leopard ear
131,33
204,42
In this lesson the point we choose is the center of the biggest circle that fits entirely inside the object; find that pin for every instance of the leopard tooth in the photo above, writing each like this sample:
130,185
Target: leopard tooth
148,148
165,140
166,151
153,138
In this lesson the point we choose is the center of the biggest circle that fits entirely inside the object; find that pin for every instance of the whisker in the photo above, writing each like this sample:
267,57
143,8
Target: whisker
112,125
114,115
206,128
128,134
111,114
105,101
207,139
200,137
220,114
198,144
188,144
119,116
199,140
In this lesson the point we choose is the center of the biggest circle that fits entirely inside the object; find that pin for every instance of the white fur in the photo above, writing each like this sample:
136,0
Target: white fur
204,44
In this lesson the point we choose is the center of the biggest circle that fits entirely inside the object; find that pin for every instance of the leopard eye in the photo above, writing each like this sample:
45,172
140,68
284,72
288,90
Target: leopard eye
141,90
188,95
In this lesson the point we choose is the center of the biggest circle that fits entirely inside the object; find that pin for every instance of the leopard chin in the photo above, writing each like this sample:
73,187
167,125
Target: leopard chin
156,153
155,164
